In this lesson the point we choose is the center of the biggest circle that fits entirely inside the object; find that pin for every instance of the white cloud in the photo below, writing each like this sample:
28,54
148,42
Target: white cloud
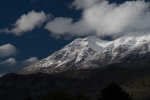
13,66
27,22
28,62
112,19
61,26
104,19
7,50
84,4
9,62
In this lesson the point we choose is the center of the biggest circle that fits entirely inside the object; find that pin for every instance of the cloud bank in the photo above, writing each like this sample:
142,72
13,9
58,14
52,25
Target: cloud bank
7,50
27,22
61,26
104,19
13,66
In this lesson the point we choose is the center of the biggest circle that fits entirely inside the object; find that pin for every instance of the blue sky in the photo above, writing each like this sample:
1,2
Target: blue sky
31,30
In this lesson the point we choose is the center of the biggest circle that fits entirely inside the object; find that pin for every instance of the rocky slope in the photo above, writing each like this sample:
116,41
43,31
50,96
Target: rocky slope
92,52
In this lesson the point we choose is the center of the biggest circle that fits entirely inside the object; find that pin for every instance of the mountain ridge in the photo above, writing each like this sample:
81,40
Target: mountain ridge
82,52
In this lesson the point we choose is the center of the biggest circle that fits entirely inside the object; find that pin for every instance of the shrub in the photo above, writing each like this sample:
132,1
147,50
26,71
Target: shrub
114,92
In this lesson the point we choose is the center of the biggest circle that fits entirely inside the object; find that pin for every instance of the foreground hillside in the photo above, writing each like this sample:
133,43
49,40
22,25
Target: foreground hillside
88,82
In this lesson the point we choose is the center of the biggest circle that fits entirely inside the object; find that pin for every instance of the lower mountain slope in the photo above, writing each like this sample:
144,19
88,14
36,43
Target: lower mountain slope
89,82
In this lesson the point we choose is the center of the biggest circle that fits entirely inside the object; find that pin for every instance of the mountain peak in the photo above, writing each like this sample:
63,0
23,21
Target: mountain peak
91,52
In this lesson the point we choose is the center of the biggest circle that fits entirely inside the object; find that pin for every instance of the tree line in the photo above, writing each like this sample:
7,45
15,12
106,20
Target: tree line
111,92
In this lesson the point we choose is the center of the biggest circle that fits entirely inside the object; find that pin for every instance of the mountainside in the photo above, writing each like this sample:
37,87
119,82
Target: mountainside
92,52
86,66
88,82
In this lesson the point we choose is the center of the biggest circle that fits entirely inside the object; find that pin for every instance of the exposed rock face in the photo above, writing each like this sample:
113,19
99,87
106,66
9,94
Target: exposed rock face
92,52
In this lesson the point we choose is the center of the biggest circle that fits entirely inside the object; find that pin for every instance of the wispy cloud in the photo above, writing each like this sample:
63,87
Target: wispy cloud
7,50
32,1
104,19
12,66
27,22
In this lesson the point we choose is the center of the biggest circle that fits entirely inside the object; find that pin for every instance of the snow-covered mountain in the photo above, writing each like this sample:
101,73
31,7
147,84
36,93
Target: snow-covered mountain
92,52
128,48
